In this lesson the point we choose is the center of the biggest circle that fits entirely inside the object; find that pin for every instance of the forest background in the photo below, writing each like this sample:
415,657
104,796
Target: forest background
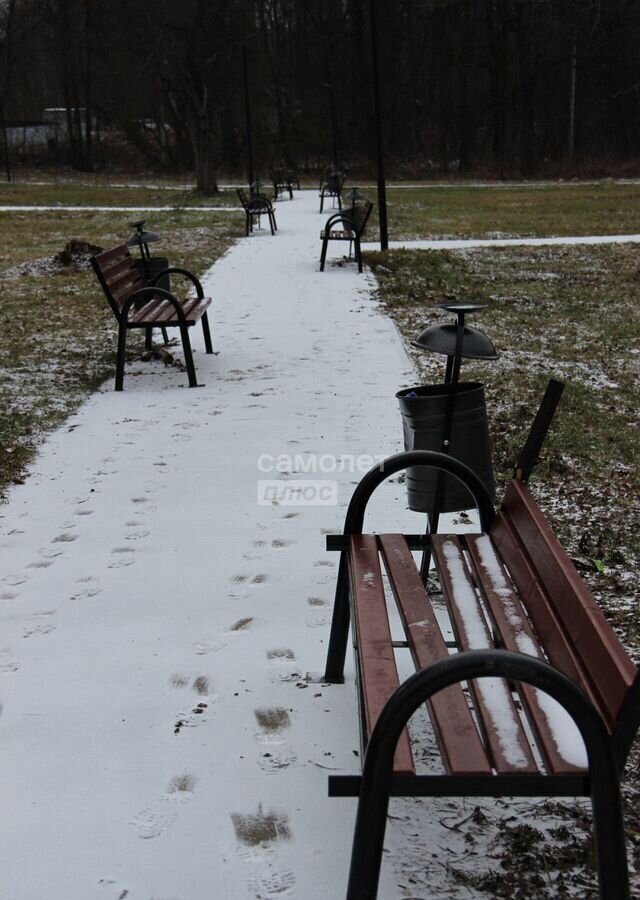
497,88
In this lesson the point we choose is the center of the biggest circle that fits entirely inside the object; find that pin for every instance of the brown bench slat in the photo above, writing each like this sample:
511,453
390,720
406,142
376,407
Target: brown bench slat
495,708
379,674
461,746
605,663
549,631
160,312
339,235
123,284
515,633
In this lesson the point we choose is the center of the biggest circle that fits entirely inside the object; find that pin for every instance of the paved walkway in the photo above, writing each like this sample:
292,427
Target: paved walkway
159,739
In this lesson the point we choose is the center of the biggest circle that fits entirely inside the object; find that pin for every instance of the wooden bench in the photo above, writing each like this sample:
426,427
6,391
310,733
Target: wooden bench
514,608
254,207
346,226
137,304
331,184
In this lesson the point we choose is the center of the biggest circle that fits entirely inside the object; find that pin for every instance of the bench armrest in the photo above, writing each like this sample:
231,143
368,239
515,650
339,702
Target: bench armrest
354,519
340,218
260,203
176,270
494,663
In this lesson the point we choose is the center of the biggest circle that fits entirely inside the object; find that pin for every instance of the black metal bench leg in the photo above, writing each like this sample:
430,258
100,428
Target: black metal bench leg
272,223
207,333
188,356
609,836
122,346
148,338
321,201
339,637
323,255
358,253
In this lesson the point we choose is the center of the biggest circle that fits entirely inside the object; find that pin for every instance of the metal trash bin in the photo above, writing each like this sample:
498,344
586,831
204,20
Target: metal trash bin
425,413
449,418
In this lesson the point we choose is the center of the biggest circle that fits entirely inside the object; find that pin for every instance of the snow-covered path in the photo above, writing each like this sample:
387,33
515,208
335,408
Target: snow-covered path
159,739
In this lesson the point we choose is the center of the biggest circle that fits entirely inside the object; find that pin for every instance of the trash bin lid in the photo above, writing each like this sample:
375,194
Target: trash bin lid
442,339
142,237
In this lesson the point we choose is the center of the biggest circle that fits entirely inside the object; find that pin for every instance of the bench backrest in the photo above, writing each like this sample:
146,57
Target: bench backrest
571,628
332,183
243,198
360,216
118,275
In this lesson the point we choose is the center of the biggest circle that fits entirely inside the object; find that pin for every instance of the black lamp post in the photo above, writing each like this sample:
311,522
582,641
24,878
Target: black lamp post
247,109
334,129
382,191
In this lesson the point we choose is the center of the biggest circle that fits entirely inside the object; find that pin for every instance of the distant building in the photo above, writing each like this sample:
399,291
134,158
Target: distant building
57,118
24,136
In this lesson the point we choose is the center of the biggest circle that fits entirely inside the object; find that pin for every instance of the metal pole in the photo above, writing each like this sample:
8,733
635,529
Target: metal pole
382,194
247,108
452,377
334,130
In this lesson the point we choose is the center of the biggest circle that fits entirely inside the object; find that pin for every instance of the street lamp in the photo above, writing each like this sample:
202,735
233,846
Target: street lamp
247,109
382,192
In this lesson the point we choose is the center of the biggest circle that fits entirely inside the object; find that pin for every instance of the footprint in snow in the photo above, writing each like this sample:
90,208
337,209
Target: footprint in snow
123,556
272,721
123,893
39,623
136,534
153,821
240,625
15,580
209,645
8,662
65,538
280,654
196,715
275,759
40,564
261,829
274,883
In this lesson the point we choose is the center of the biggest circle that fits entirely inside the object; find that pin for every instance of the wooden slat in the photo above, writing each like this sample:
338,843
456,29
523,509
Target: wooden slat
556,643
497,714
107,257
605,661
515,633
461,747
378,672
161,313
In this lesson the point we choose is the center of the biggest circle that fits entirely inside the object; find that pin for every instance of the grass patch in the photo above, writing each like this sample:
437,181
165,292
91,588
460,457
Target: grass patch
491,211
101,192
